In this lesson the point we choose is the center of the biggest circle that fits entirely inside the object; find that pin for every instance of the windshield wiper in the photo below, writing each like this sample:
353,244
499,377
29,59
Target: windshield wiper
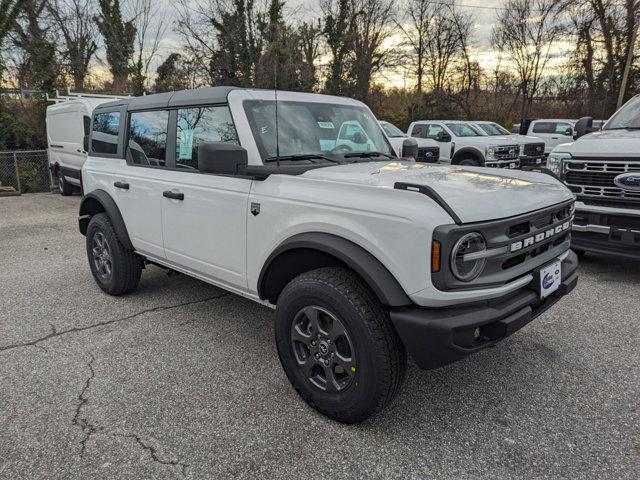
301,156
367,155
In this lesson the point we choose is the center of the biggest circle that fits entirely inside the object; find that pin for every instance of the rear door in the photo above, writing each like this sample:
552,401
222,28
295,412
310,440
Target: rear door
66,129
204,215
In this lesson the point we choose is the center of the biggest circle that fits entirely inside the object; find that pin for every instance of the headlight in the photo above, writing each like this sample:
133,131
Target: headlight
466,266
555,163
521,150
490,153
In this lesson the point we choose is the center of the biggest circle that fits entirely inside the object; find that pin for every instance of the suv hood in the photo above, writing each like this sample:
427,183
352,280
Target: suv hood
606,143
474,193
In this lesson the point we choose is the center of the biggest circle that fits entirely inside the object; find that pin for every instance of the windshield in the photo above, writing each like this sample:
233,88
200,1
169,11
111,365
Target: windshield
462,130
391,130
627,117
494,129
308,128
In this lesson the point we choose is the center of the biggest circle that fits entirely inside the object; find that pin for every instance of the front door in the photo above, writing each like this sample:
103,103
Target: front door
434,130
204,216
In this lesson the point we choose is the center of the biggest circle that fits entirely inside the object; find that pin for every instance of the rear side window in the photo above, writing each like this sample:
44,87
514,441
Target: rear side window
104,136
197,125
148,138
544,127
419,131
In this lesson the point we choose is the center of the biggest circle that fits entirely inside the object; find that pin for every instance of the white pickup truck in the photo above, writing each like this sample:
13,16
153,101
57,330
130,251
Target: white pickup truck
364,257
462,144
602,169
552,131
428,149
531,148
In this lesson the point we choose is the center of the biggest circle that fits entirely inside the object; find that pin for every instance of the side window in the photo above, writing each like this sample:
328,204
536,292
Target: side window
561,128
104,136
419,131
197,125
148,138
86,122
544,127
434,130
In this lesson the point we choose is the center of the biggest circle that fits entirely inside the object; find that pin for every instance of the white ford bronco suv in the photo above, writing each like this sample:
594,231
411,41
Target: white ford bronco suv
364,257
462,144
602,168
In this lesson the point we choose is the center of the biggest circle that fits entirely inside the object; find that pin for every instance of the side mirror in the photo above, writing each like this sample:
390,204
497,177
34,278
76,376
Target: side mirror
569,132
85,143
443,136
358,138
410,148
583,126
221,157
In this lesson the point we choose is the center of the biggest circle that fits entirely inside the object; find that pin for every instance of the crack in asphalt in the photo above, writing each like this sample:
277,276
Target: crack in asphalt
153,452
54,333
85,426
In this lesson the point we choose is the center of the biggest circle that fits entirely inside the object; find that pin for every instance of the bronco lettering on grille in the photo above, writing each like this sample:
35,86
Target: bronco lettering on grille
540,237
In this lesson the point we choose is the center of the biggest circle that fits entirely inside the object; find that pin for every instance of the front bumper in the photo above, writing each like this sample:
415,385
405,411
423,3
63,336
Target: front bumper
606,230
512,163
527,161
437,337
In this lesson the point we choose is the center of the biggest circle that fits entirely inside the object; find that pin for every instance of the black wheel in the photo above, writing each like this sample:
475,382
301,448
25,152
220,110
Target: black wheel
337,345
469,162
115,269
65,187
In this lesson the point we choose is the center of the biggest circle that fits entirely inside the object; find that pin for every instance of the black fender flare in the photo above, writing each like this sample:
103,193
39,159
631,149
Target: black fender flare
470,150
99,201
373,272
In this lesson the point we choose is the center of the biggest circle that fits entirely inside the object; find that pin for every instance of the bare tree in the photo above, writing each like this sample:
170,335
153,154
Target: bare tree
416,32
151,26
74,20
525,32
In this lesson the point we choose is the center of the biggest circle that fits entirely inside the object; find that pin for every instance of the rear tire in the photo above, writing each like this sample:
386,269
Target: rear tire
115,269
337,345
65,187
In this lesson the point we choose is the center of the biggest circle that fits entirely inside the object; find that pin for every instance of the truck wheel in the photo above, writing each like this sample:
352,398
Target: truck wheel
65,187
115,269
469,162
337,345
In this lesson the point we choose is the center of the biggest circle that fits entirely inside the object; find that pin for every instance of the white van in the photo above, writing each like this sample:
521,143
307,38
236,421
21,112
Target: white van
68,121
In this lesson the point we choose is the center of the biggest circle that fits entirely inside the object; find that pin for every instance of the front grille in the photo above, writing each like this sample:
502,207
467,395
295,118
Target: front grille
533,149
507,152
591,178
428,154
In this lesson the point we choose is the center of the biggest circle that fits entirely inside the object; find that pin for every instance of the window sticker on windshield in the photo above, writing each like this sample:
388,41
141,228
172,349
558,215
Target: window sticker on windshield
186,145
326,125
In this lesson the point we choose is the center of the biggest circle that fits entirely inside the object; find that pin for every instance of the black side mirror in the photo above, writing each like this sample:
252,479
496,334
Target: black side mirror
583,126
569,132
409,148
220,157
443,136
85,143
358,138
525,123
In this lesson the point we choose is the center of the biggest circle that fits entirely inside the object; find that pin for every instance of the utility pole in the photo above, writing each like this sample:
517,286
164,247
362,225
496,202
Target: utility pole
627,67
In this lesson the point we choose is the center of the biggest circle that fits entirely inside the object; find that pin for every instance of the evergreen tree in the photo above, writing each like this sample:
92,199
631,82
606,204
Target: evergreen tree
119,36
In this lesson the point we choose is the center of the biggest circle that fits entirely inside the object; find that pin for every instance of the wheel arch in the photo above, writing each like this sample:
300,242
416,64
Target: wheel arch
99,201
467,152
308,251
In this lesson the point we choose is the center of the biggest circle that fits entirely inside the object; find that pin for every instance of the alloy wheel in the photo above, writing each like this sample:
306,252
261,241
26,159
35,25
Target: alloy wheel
102,259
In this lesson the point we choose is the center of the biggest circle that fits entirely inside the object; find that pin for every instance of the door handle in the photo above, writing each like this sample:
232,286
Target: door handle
122,185
173,195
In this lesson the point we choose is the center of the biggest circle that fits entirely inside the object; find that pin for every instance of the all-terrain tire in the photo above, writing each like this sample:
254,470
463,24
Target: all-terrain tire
379,359
469,162
125,265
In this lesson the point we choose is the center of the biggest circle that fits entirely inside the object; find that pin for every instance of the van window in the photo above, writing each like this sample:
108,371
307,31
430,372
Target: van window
104,138
86,122
147,143
197,125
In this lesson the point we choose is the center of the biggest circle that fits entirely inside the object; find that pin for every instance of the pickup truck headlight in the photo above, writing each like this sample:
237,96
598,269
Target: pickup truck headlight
467,259
490,153
556,162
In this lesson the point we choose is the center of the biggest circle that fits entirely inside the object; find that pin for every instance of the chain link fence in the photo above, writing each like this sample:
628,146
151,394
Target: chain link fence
24,171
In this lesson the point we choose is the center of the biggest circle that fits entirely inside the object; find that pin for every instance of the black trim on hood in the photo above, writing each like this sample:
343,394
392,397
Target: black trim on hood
432,194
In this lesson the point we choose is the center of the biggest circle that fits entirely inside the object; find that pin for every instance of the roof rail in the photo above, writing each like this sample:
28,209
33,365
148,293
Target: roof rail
76,95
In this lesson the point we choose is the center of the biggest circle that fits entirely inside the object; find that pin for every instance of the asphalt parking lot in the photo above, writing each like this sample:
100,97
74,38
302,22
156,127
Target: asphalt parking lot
181,380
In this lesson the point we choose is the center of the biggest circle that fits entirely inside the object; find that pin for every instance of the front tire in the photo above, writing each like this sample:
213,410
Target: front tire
469,162
65,187
337,345
115,269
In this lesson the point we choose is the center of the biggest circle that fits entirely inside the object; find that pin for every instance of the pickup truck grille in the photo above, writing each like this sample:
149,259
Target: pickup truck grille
428,154
592,178
507,152
533,149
